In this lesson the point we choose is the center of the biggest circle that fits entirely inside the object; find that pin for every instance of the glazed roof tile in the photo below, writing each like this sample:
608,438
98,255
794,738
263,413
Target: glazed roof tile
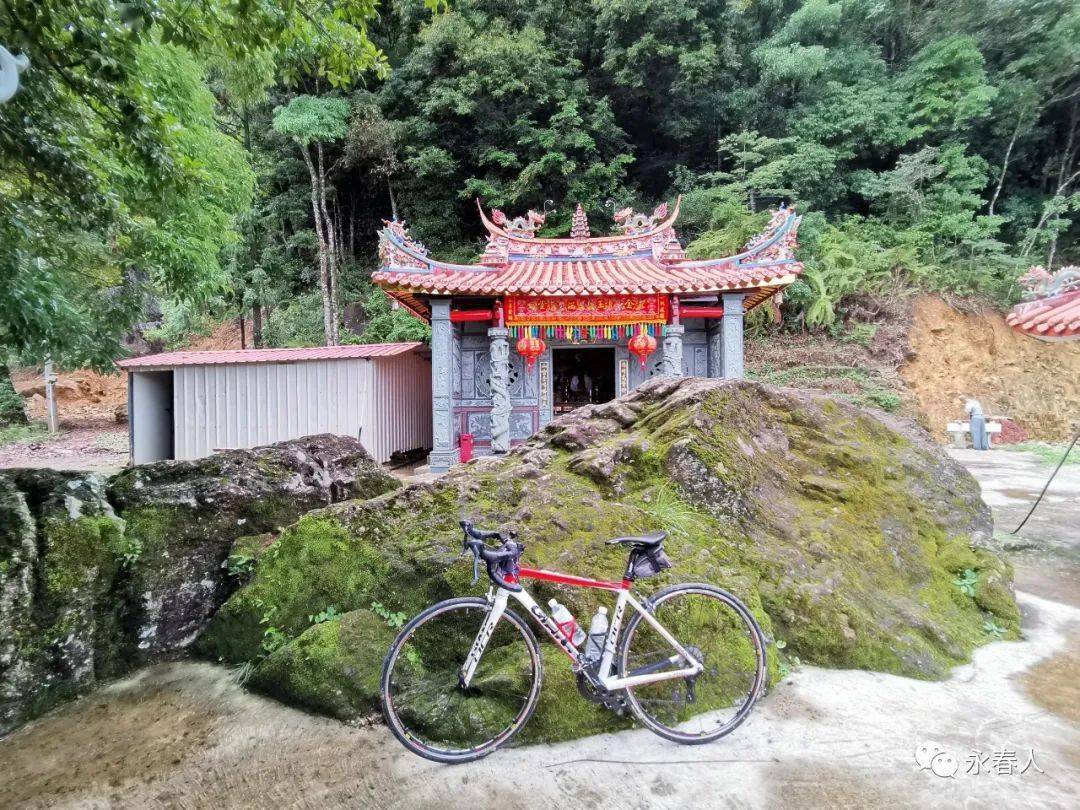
1053,317
646,258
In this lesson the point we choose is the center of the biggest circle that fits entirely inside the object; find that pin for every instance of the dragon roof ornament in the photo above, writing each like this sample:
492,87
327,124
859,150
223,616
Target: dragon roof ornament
1038,282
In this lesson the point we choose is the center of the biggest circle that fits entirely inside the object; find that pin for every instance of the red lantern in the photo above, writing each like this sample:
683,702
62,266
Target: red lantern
530,348
642,345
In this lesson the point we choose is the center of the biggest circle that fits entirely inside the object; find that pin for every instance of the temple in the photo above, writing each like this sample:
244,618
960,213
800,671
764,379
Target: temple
543,325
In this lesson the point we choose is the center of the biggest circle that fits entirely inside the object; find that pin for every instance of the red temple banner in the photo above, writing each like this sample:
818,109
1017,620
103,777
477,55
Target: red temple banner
591,310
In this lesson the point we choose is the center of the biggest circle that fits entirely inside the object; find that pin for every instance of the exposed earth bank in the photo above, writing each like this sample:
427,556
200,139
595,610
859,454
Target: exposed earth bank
975,354
853,538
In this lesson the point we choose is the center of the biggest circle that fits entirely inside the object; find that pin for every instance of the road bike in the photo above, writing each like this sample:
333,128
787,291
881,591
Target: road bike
464,676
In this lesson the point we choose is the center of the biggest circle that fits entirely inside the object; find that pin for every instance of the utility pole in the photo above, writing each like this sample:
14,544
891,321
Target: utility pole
50,398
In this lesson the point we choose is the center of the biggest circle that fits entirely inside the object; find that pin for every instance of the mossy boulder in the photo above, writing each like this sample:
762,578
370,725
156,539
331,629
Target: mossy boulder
61,550
844,531
186,515
99,576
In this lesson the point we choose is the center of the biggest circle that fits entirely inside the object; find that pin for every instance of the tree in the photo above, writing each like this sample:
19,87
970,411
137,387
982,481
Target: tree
491,111
115,178
313,122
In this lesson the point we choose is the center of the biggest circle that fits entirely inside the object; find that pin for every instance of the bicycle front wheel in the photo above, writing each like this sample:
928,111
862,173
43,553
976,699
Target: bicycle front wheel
423,700
720,632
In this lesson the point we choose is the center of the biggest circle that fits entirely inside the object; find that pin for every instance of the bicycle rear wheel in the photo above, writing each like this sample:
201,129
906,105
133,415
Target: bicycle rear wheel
423,701
718,630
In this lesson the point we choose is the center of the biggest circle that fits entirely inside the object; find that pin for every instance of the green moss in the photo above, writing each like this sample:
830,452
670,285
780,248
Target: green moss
332,667
82,556
842,536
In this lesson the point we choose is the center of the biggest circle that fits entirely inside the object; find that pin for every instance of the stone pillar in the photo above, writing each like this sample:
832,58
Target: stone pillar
731,328
671,362
500,389
716,350
443,452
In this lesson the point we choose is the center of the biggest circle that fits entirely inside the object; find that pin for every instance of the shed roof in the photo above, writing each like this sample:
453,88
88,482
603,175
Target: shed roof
234,356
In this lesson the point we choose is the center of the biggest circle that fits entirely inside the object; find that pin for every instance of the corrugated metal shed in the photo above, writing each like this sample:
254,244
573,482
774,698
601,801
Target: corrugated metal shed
230,356
187,405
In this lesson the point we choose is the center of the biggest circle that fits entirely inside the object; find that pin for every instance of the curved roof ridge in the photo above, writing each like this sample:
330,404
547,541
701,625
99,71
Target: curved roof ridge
791,220
495,230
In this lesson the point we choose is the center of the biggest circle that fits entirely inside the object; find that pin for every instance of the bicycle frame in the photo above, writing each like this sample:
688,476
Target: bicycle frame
498,598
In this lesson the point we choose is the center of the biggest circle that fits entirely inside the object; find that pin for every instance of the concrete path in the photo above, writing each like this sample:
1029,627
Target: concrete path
183,735
1046,552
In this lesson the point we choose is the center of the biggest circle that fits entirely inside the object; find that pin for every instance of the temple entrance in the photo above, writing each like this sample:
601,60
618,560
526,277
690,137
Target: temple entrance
580,375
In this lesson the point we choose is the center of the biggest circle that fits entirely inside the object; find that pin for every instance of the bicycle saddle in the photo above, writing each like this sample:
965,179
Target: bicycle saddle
641,541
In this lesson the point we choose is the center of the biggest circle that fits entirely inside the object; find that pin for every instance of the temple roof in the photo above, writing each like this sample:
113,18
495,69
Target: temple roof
645,258
1053,311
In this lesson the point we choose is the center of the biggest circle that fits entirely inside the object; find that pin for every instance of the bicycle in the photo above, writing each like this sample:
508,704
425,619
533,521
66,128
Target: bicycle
463,676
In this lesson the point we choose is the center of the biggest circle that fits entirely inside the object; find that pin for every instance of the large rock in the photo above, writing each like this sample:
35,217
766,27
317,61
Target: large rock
186,515
843,531
97,576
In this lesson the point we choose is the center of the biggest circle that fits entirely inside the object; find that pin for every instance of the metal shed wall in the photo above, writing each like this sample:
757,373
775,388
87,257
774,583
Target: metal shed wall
399,405
219,407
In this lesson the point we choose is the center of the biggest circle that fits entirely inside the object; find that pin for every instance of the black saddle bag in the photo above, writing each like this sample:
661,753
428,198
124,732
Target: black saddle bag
649,562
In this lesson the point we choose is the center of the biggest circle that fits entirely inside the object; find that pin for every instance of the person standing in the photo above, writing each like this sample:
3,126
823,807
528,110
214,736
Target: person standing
980,439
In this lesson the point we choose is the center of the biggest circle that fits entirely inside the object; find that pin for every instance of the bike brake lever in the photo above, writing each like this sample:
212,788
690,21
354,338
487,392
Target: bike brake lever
475,569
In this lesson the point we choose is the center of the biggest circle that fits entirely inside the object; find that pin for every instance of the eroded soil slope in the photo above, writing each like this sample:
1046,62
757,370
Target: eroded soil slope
958,354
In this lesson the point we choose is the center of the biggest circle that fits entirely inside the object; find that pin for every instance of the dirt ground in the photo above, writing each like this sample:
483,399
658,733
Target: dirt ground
92,408
957,355
183,735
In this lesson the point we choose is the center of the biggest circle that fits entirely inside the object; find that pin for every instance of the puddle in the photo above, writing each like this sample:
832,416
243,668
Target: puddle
1054,683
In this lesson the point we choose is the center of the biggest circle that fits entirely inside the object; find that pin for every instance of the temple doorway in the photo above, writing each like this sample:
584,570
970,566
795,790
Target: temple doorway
580,375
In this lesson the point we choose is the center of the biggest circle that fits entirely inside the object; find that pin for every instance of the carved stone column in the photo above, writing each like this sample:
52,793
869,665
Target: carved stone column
716,351
732,336
500,389
443,452
671,363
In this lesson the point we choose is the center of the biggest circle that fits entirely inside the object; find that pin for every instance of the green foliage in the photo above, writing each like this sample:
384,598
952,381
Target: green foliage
12,412
329,614
1047,453
387,324
930,145
20,434
394,619
240,564
307,119
296,323
966,582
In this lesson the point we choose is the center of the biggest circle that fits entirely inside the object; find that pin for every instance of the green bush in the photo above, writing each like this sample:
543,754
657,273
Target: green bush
11,404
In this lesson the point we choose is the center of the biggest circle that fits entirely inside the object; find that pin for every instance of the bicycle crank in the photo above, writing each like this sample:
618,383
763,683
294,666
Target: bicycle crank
594,693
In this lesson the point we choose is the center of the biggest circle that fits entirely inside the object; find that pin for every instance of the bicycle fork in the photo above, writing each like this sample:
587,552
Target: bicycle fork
487,629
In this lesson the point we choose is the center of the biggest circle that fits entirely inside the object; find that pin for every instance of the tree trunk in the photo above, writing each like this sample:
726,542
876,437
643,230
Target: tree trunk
324,269
256,325
331,239
253,238
1005,164
1067,158
240,326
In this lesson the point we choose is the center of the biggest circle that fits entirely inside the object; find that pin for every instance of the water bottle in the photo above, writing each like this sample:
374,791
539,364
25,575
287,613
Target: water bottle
597,635
566,623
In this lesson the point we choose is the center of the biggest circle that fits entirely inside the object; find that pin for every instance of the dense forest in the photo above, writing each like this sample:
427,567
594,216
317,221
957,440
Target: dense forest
217,159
